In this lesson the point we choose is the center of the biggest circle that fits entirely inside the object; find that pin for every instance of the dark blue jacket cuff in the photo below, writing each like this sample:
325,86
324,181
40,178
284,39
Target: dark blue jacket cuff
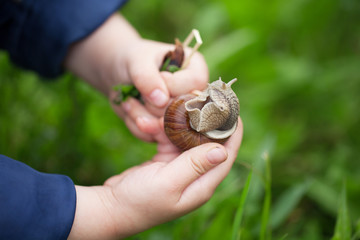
37,33
34,205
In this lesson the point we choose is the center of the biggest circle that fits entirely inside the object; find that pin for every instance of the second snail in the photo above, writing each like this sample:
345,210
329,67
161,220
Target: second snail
202,117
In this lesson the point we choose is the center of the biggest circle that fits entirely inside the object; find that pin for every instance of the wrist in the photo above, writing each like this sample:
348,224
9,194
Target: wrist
121,36
100,58
100,215
94,214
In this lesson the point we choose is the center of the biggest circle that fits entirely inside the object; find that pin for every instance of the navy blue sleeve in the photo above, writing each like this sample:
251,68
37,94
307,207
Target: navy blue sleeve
37,33
34,205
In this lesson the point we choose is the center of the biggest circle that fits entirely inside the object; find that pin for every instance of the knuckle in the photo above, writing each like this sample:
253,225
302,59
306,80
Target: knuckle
138,76
199,56
197,166
201,82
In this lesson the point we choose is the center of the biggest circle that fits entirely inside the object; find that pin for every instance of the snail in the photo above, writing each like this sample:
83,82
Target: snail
201,117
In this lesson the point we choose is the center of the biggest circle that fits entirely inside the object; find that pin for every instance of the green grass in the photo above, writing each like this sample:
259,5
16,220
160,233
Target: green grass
236,232
265,232
297,64
343,224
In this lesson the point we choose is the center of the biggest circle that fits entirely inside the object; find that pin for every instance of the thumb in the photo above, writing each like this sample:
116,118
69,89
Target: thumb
193,163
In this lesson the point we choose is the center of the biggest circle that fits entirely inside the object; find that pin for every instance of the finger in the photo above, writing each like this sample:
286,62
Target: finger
214,177
134,129
118,109
155,111
193,163
194,76
161,135
145,74
137,119
235,140
137,112
148,125
206,184
164,149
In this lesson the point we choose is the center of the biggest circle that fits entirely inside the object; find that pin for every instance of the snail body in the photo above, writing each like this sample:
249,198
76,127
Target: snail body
208,116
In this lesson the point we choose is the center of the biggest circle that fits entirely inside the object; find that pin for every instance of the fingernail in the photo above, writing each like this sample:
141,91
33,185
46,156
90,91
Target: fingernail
158,97
216,155
126,106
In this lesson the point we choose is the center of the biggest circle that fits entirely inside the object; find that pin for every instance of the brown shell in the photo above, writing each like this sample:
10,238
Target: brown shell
177,126
176,57
205,114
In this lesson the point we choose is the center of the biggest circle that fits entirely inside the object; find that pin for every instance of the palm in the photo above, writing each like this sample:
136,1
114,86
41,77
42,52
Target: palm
166,153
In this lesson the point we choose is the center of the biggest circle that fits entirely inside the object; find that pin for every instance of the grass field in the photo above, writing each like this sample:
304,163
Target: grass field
297,175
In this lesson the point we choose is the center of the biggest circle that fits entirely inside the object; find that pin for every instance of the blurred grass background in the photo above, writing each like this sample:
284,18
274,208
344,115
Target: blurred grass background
298,68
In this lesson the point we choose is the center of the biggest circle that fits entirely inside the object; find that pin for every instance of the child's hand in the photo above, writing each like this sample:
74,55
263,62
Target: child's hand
115,54
157,88
143,61
167,187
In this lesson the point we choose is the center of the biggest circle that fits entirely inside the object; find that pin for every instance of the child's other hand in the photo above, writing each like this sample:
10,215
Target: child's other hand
157,88
144,60
116,54
167,187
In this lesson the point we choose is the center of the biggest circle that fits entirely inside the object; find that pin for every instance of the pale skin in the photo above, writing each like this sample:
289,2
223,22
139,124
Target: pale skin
172,183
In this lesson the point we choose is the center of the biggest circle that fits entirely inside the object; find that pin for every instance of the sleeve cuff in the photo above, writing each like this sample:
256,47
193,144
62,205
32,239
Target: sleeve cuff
51,26
34,205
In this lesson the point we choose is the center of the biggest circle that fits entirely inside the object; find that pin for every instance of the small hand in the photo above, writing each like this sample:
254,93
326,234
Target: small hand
115,54
169,186
156,87
143,62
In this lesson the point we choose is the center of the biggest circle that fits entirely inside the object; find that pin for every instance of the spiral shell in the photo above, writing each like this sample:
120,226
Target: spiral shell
209,116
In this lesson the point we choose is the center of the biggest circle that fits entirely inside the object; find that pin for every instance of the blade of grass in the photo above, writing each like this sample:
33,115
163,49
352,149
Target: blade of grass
287,202
227,46
265,228
284,237
357,231
343,225
240,210
324,194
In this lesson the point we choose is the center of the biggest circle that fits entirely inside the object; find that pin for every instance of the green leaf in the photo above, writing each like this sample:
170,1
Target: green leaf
165,65
323,194
227,46
240,210
265,228
343,224
169,67
124,92
173,68
287,202
357,231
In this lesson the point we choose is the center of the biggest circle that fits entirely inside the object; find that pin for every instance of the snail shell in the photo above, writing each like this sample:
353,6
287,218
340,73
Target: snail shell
209,116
